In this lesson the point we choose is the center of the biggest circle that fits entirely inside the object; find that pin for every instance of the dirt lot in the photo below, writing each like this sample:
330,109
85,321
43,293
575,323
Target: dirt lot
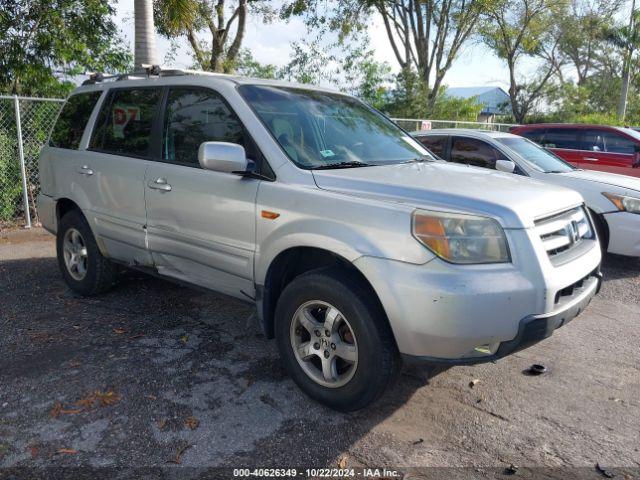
151,374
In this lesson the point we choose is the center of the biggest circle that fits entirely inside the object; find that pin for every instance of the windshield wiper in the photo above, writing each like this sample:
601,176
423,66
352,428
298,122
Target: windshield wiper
351,164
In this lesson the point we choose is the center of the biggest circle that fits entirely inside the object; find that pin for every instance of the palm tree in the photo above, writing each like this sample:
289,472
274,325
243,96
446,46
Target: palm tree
145,39
627,39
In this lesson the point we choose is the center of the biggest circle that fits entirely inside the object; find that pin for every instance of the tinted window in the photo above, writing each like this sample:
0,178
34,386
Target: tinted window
604,141
73,118
562,138
434,144
126,120
617,143
475,152
593,140
194,116
534,135
318,129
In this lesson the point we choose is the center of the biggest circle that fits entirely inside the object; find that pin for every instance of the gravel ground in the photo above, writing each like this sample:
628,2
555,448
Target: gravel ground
151,374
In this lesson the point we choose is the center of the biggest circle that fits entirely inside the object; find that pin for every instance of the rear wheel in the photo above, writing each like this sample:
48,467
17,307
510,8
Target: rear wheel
335,340
83,267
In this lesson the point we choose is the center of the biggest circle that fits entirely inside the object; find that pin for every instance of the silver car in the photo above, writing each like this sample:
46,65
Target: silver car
358,248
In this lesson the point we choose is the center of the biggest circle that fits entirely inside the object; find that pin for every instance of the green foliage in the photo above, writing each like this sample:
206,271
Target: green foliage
426,36
10,194
214,29
409,98
249,67
41,38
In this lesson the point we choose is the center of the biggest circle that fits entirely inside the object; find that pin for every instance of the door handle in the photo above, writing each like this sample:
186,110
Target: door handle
590,159
159,184
85,170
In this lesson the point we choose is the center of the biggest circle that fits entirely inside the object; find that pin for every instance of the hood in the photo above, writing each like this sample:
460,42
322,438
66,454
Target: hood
631,184
515,201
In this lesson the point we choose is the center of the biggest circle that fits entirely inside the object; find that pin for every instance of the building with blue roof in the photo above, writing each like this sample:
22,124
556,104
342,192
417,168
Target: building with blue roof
494,100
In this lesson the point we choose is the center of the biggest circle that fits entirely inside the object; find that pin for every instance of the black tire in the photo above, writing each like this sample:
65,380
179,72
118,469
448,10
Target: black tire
602,230
378,361
100,272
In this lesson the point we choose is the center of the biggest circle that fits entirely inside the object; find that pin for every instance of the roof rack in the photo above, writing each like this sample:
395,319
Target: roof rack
149,70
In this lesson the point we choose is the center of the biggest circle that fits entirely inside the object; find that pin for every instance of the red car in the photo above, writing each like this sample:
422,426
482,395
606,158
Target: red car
591,147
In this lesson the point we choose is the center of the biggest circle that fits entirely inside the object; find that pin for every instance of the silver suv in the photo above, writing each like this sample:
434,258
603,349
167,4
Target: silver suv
357,246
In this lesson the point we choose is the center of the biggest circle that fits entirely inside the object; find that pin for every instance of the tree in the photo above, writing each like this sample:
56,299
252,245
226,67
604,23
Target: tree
627,39
426,36
249,67
582,47
516,28
223,21
45,41
145,35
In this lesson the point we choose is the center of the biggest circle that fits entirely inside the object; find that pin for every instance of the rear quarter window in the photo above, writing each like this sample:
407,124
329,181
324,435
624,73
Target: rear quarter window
73,119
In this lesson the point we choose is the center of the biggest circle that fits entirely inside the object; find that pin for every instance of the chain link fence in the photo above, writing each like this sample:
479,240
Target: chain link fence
25,123
416,124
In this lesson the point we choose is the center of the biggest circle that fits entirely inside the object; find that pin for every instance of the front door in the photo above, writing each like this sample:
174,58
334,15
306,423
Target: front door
200,223
608,151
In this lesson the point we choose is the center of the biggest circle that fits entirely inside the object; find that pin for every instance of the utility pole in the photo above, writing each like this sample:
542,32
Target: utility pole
145,35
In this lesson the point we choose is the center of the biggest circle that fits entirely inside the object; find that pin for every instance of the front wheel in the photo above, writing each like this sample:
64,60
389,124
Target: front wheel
334,339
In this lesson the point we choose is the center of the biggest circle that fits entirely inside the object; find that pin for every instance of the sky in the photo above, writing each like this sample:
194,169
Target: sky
271,43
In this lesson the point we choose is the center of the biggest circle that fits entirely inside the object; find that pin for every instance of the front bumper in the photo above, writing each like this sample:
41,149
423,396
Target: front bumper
473,313
532,329
624,233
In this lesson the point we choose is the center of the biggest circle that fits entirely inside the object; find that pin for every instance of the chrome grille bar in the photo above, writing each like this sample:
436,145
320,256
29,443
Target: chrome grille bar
564,231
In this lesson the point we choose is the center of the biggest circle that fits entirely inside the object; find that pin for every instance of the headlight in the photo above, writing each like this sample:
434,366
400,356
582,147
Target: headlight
623,202
461,238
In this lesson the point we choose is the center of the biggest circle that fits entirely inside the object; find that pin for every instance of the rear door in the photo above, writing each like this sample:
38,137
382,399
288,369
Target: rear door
114,167
564,142
201,223
608,151
66,152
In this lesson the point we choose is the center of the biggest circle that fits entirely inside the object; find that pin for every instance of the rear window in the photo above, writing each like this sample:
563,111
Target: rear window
435,144
72,120
125,122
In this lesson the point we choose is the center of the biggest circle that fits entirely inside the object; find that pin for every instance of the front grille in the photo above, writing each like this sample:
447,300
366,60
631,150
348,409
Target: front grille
564,231
570,291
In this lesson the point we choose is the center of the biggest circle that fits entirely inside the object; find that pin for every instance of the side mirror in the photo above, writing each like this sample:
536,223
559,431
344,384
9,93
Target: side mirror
222,157
506,166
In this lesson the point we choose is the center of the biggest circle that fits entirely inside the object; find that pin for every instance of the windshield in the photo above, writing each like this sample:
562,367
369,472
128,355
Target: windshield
325,130
535,155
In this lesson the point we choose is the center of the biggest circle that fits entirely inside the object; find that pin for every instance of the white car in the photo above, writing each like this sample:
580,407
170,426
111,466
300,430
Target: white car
614,200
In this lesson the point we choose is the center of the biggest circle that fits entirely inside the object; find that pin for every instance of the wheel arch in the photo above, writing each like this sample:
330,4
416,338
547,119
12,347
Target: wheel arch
293,262
65,205
602,228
